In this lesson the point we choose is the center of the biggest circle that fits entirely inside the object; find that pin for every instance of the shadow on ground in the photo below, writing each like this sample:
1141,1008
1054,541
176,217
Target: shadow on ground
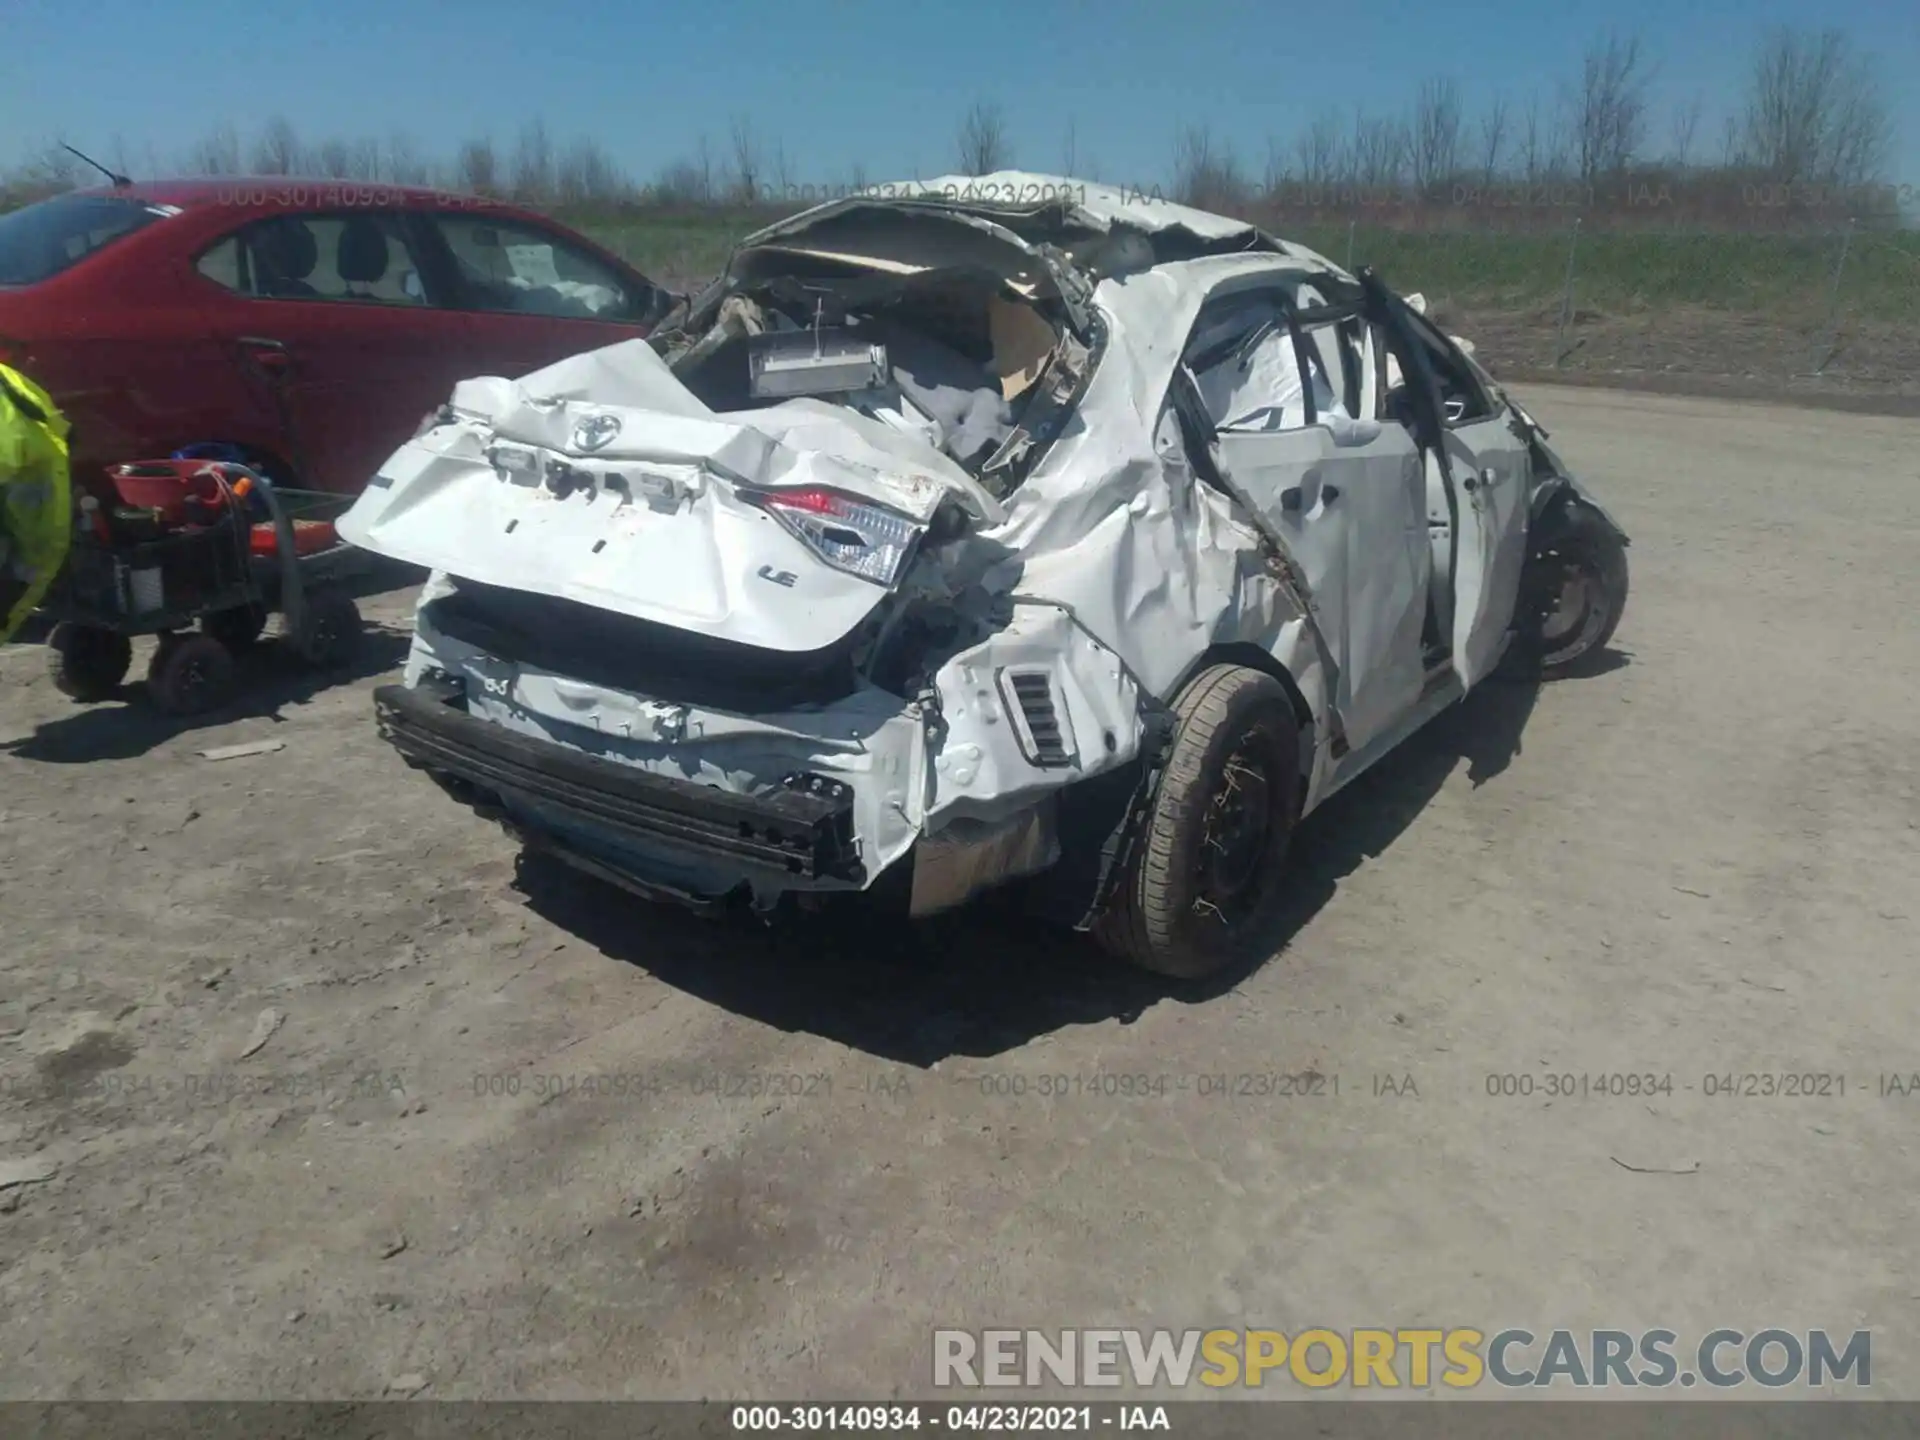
987,980
268,677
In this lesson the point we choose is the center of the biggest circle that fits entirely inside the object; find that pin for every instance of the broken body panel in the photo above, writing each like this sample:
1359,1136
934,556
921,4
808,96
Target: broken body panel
913,611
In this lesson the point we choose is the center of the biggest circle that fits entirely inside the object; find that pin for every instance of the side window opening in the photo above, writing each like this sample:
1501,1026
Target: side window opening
1254,371
1462,398
514,269
363,258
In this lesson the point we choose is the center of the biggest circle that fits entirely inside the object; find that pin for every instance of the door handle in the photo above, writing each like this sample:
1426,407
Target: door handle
269,356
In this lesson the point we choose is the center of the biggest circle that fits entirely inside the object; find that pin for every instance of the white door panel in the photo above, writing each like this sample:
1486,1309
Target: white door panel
1348,503
1489,468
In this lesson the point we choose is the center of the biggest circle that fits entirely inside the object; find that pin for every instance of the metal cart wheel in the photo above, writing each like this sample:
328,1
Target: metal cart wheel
329,631
190,674
87,662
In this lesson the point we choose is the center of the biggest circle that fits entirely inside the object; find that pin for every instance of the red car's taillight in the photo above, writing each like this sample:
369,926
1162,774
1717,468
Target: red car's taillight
870,541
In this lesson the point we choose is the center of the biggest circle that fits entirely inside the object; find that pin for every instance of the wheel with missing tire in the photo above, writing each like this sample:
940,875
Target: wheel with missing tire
1577,584
1207,875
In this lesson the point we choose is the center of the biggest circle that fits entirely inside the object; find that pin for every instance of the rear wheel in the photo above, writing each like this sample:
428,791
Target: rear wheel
190,674
1206,878
86,662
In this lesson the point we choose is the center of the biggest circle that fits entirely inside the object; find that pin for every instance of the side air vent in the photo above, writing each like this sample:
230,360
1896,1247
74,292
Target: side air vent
1029,697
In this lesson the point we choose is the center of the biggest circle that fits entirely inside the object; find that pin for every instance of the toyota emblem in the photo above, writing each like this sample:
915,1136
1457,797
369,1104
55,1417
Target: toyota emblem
596,432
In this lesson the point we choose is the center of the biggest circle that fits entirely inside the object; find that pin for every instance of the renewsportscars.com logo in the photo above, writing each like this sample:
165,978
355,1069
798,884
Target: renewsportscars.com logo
1459,1358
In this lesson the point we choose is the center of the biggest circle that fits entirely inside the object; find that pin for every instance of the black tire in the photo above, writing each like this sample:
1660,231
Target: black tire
329,637
190,674
86,662
237,628
1577,585
1195,900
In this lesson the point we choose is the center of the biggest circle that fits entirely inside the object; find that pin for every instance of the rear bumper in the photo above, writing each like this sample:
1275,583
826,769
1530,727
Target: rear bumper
804,831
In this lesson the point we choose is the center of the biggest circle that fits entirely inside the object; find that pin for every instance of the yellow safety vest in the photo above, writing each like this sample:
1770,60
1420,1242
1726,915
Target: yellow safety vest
36,508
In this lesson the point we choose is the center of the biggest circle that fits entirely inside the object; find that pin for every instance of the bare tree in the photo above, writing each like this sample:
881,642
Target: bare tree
1376,151
1545,147
678,184
982,141
1206,173
1275,174
586,176
1686,121
782,169
1531,142
1608,112
747,176
1318,150
1070,151
404,164
533,163
277,152
478,167
1493,138
1433,136
1814,111
217,152
334,160
365,162
703,164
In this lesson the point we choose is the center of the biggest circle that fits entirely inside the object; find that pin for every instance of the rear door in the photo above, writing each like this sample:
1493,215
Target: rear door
1286,389
531,296
1484,461
329,317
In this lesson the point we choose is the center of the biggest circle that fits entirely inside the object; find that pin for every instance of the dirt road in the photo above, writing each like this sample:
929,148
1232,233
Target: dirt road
515,1135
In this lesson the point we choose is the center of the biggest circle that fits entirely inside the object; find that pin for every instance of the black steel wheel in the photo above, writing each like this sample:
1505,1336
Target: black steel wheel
1577,589
1208,874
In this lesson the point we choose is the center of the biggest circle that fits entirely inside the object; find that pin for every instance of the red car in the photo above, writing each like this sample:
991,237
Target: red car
310,323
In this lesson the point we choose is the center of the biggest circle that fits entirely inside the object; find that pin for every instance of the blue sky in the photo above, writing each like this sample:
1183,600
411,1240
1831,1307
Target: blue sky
845,82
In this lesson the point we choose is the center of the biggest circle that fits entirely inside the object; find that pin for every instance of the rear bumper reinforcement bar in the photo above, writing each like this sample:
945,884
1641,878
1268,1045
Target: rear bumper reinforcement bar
796,833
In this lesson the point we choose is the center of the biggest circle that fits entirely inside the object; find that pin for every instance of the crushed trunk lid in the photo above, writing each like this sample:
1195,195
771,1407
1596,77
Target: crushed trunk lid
603,480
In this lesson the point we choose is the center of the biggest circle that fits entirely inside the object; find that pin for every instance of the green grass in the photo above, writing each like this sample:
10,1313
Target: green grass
1614,271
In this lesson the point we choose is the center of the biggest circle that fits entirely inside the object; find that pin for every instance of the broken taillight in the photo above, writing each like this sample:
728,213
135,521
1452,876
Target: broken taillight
870,541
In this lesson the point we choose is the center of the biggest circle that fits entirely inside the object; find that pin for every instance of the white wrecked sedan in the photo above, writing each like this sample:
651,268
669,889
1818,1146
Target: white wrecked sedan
977,530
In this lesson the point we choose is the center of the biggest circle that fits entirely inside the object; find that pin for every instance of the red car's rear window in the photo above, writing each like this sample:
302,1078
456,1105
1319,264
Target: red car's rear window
42,240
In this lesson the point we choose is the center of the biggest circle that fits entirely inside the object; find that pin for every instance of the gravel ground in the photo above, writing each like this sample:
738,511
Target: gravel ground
502,1132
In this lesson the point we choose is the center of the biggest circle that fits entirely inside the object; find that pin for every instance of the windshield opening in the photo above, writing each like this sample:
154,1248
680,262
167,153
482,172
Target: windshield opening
42,240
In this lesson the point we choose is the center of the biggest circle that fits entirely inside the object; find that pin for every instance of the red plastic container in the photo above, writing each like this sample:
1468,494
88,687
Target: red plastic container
308,536
174,488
